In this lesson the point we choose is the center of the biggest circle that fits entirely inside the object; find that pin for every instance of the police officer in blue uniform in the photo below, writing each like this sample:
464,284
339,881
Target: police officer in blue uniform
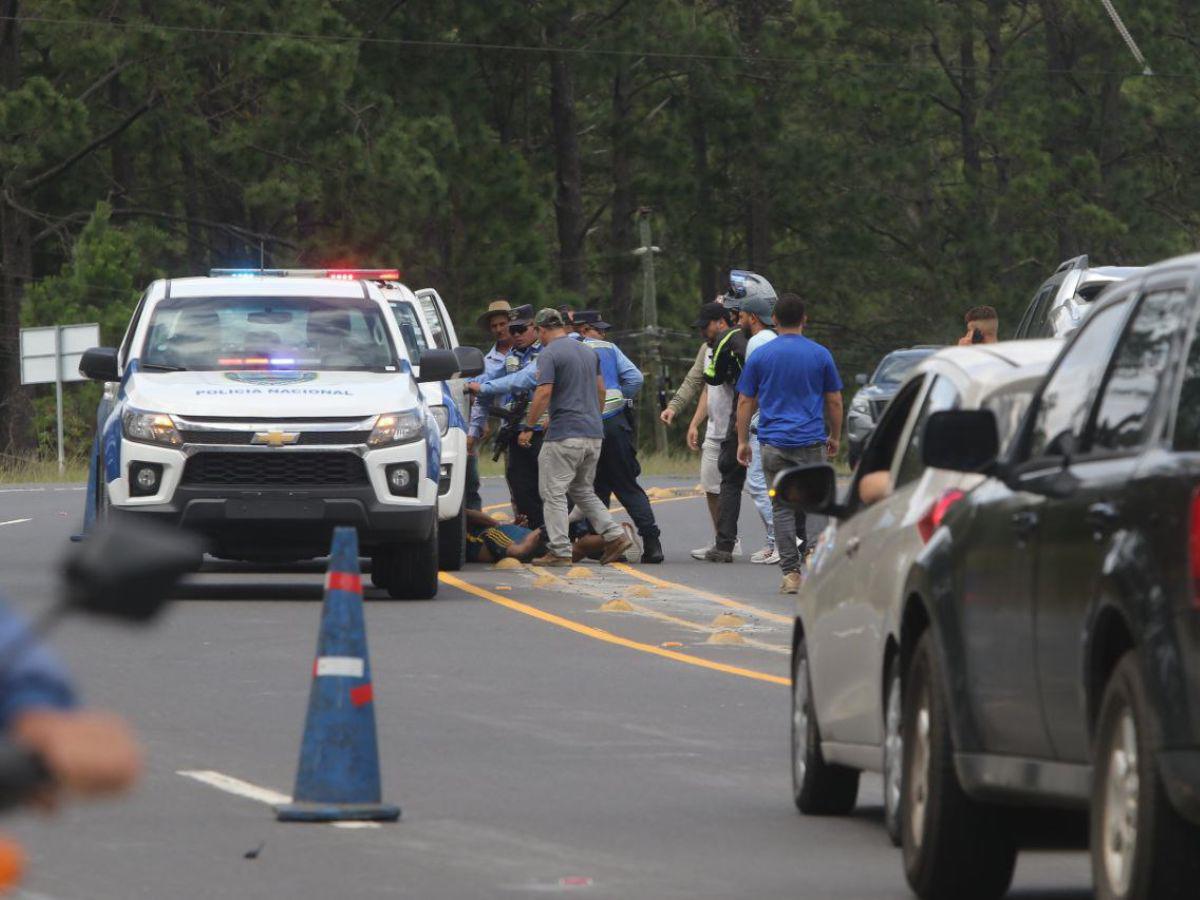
511,390
618,468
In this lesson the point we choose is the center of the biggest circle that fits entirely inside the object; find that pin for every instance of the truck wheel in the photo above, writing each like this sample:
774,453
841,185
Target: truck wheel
1141,847
893,749
953,847
414,569
381,567
452,542
819,789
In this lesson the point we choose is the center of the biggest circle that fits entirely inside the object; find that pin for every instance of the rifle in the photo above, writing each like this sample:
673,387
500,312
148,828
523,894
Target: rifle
511,420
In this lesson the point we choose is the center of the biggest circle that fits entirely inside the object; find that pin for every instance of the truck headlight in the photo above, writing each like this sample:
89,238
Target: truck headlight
150,428
397,428
442,416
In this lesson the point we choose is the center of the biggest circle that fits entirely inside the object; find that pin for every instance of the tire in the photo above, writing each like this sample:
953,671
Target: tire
413,574
1141,847
818,788
953,847
381,567
452,542
893,749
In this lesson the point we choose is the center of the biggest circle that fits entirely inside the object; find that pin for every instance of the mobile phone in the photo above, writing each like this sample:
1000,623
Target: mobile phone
976,336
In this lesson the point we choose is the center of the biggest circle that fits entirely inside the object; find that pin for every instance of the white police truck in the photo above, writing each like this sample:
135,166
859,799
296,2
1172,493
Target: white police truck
261,411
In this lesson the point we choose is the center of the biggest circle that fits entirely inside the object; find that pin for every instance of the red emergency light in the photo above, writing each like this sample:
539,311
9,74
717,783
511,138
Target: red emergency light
368,274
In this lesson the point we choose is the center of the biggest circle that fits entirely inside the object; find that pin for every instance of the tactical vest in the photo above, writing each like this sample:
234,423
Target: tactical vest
514,362
614,400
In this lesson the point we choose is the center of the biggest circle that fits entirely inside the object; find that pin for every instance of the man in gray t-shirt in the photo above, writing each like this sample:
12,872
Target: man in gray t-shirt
569,383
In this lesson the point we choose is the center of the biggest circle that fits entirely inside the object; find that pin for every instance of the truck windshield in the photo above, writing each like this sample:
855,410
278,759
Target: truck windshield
268,333
896,366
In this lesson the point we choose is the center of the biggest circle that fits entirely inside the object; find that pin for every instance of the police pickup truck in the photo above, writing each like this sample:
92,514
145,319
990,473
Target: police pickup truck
263,408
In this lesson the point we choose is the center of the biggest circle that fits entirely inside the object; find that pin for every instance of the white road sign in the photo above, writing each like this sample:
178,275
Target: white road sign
41,348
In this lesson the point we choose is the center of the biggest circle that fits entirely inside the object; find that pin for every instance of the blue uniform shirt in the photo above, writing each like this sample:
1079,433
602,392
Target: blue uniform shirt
493,367
790,376
34,679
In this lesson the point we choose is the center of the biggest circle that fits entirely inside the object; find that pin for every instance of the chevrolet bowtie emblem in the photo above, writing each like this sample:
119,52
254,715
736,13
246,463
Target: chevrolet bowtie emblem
275,438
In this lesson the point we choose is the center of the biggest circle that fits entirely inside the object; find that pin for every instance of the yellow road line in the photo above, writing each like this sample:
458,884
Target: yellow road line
715,598
601,635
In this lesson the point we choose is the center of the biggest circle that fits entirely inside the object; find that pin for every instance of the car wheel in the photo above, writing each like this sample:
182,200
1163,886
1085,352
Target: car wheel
381,566
893,750
414,569
452,542
819,789
1141,847
953,847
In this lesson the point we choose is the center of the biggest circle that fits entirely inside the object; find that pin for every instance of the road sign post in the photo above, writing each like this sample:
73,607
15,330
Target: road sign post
52,354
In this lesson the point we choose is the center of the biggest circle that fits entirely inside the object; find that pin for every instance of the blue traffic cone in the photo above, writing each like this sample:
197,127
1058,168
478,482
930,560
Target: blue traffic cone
338,777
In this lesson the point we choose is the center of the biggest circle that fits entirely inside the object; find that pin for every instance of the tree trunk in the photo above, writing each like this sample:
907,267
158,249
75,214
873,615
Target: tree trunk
15,267
568,199
705,241
621,238
751,16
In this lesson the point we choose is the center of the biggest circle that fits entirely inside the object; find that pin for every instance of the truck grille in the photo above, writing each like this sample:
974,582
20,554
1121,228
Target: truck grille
307,438
283,469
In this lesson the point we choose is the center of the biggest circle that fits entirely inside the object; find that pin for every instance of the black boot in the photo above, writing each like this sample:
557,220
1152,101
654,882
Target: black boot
651,550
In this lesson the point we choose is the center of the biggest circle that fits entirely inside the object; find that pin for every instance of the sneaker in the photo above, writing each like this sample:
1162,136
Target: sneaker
767,556
791,583
702,552
615,549
715,555
551,560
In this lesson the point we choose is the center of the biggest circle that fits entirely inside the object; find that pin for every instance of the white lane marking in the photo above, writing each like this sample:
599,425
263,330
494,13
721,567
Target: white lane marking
348,666
16,522
236,786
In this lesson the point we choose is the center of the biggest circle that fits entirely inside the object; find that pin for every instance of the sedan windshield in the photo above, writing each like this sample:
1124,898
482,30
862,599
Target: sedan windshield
268,333
895,367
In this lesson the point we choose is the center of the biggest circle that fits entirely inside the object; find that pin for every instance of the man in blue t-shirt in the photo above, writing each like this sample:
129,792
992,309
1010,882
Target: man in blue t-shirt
794,385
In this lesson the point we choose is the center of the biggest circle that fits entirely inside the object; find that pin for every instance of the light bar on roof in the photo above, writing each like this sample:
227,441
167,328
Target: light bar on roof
336,274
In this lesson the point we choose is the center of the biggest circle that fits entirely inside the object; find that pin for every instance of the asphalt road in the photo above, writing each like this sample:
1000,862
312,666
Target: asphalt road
537,743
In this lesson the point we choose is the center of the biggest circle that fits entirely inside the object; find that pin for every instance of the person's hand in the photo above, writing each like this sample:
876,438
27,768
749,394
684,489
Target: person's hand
693,437
525,438
743,453
667,416
471,387
965,341
831,446
87,753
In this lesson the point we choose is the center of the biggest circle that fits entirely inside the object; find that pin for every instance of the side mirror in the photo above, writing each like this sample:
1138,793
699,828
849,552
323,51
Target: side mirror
125,568
470,361
438,365
809,489
100,364
961,440
860,379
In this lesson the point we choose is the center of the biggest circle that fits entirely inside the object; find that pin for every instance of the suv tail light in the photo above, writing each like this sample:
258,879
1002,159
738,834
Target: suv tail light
933,517
1194,547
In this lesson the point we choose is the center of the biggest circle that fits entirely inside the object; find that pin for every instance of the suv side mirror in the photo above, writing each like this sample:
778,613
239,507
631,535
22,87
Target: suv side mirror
860,379
442,365
100,364
809,489
961,440
470,361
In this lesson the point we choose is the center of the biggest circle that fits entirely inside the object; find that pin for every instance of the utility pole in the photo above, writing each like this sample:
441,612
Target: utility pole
650,329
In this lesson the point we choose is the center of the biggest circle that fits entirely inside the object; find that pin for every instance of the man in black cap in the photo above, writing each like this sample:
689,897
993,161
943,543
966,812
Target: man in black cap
723,369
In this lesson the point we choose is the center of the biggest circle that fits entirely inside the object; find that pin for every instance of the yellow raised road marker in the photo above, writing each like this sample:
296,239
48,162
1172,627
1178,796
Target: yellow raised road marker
726,637
715,598
607,637
617,605
508,563
727,620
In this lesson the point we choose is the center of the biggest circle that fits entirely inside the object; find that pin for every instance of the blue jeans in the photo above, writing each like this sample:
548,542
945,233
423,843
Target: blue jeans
756,485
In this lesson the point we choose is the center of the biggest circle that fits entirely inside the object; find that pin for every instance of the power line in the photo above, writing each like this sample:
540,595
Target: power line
1126,36
679,56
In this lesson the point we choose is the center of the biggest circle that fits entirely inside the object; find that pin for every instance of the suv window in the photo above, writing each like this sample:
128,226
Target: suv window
413,334
1127,403
1039,322
942,395
1063,405
1187,417
881,446
1036,305
436,326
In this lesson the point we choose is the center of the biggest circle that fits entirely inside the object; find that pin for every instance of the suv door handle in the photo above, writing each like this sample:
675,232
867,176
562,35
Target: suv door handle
1102,517
1024,522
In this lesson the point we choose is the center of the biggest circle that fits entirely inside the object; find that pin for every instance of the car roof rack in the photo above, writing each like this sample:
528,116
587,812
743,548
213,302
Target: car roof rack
1078,262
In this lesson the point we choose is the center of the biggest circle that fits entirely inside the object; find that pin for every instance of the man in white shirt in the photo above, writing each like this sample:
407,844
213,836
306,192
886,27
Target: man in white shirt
755,320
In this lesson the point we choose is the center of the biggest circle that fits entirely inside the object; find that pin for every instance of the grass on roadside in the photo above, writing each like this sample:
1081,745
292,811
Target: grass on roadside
34,470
